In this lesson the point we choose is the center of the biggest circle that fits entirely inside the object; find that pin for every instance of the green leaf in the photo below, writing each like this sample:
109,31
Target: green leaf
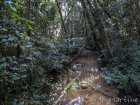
15,16
3,40
13,8
14,101
21,103
24,66
8,1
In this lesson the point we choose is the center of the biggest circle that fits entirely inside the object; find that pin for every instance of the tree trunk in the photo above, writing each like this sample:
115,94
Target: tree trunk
92,27
61,16
1,10
101,28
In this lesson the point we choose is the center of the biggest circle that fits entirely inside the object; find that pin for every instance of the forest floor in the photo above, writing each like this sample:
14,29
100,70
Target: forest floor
96,92
88,86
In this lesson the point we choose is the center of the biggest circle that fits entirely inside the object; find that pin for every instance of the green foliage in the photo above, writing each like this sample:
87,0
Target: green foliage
22,78
72,45
123,71
13,11
50,57
33,25
10,37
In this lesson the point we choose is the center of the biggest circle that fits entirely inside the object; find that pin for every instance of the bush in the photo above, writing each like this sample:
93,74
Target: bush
72,45
123,71
50,58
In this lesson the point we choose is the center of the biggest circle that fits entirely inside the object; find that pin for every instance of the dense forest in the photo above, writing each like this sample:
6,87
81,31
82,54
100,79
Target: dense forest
69,52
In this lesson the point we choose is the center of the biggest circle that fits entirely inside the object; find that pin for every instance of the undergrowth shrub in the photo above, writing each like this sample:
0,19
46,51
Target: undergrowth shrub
124,69
22,78
72,45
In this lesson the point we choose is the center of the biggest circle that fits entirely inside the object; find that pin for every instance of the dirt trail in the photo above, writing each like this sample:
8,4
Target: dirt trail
90,87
